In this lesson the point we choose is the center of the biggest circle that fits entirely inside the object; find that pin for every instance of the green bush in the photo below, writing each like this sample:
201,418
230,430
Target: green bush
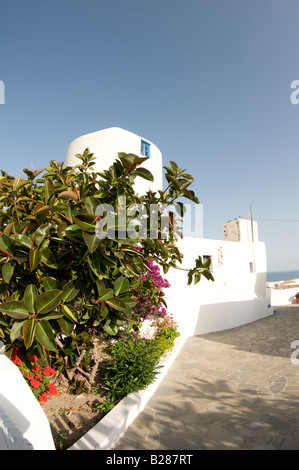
132,368
134,364
60,280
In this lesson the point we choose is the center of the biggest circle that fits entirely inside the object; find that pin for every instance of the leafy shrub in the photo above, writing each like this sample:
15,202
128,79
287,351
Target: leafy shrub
132,368
60,280
134,363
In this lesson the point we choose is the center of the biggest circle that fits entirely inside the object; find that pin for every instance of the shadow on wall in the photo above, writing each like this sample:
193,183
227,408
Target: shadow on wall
15,423
223,315
260,285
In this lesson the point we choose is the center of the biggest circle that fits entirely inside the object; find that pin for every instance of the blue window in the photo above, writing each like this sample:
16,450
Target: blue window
145,148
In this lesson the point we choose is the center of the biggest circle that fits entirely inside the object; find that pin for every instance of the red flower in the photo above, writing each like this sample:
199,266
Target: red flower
16,360
52,390
32,358
35,368
39,377
34,383
43,398
49,371
16,352
29,376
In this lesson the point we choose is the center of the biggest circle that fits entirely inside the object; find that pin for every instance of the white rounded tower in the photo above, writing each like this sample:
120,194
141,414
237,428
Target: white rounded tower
107,143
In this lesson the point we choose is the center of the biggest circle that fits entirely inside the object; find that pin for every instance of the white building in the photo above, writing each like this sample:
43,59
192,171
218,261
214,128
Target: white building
238,263
107,143
238,294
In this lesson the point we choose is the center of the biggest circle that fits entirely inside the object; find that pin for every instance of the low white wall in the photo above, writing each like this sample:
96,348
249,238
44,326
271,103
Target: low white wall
22,408
279,297
236,297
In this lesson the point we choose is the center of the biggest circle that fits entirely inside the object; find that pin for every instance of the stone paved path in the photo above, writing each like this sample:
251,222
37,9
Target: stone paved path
235,389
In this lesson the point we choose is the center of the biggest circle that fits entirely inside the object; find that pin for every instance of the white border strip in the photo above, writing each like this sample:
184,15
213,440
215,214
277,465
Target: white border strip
107,432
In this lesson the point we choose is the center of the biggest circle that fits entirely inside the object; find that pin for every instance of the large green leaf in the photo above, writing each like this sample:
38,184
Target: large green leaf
68,195
51,283
66,326
121,285
49,259
70,312
85,222
28,332
34,259
15,309
16,329
144,173
7,271
72,232
48,301
40,234
116,303
110,328
104,293
23,240
91,240
69,291
44,335
94,263
91,204
6,245
30,296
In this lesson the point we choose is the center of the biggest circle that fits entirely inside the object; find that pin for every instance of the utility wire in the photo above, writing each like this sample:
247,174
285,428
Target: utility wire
272,220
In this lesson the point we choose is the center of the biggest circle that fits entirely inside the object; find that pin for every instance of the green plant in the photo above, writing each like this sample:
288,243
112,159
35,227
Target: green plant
133,367
134,363
104,407
165,340
61,280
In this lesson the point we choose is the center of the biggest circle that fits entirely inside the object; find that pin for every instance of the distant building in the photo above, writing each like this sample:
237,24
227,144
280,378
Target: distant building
105,145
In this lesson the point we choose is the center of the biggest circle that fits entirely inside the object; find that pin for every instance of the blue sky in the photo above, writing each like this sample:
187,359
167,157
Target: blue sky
207,81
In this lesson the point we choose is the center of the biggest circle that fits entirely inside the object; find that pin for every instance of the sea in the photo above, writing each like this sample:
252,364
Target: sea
282,276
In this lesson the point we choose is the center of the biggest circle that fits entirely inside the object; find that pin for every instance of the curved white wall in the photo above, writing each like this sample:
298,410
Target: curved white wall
237,296
105,145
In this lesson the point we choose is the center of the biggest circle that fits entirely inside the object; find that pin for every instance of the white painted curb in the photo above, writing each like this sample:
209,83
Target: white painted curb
107,432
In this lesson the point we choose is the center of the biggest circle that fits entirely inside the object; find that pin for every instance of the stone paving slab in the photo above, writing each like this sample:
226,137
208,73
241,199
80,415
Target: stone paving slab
234,389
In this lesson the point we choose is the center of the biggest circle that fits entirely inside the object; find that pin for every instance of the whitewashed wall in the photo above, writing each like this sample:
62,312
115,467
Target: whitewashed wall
105,145
30,427
237,296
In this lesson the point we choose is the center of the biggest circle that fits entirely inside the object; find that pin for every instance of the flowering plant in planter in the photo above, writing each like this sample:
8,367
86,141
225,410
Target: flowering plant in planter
36,376
60,281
